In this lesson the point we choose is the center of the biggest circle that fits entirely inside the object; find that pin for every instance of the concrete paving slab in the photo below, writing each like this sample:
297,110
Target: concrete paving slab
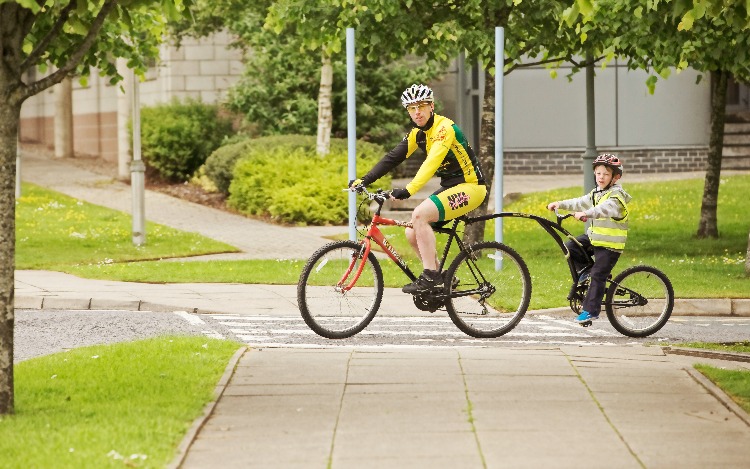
381,448
676,384
454,386
529,367
255,389
387,374
407,413
434,461
548,448
262,450
671,447
503,390
581,417
249,410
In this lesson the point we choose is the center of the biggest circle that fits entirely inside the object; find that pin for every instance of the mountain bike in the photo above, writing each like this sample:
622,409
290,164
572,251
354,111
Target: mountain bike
486,288
638,301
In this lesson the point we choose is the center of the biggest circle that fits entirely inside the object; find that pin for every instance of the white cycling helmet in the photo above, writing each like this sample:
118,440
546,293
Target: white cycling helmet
416,94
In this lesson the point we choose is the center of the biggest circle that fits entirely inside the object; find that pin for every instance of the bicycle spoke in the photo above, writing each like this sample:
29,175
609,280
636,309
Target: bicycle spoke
639,301
493,290
329,303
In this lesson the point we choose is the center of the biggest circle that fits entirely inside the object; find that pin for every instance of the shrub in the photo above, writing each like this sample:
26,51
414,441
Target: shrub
220,164
295,185
177,137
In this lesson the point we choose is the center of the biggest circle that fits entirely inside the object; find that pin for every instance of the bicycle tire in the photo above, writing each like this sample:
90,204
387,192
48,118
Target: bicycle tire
484,302
328,309
639,301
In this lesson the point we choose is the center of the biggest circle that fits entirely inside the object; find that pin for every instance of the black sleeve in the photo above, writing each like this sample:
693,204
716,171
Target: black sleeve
391,159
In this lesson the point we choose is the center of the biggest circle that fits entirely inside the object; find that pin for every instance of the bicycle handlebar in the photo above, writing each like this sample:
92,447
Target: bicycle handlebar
379,194
560,218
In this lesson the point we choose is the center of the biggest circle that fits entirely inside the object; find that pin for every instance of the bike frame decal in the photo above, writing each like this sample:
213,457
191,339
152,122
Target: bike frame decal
374,234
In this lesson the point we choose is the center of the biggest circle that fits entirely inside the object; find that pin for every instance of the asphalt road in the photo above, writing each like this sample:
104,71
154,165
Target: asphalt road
44,332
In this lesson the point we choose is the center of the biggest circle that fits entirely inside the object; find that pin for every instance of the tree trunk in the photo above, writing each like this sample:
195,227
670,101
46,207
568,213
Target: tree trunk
64,119
474,233
10,114
325,114
707,226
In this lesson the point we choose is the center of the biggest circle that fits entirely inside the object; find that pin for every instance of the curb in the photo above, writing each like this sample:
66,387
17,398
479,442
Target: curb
704,353
719,394
208,410
718,307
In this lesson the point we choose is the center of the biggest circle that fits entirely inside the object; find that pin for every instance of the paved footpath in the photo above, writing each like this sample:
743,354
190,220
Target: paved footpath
577,407
402,407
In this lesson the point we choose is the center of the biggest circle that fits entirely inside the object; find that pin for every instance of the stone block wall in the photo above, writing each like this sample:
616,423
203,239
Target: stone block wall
637,161
549,161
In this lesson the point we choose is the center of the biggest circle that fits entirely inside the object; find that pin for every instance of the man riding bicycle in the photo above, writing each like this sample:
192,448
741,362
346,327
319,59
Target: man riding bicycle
448,156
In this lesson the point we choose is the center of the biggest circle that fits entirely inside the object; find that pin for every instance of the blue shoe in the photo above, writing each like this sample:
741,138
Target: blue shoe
585,316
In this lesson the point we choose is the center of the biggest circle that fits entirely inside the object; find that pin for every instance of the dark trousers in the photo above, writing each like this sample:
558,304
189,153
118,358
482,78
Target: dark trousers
604,261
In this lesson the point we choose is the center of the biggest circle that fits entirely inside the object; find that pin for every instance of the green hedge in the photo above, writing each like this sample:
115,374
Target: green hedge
290,183
177,137
220,164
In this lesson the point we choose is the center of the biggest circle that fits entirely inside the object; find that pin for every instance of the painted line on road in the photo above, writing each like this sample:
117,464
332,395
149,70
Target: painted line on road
191,318
196,321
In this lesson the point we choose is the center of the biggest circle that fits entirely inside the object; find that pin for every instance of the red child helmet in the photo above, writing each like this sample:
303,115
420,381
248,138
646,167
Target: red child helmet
609,160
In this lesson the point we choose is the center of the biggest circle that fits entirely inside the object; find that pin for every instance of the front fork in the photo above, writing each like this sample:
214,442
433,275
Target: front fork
363,253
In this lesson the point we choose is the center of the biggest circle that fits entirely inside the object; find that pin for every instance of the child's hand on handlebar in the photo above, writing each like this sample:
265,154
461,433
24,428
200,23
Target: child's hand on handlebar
580,216
553,206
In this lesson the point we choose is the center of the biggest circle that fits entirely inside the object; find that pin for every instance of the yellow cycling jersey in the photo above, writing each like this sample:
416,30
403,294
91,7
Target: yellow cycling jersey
449,156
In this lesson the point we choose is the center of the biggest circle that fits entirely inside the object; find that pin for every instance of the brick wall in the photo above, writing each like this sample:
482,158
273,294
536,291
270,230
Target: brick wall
637,161
643,160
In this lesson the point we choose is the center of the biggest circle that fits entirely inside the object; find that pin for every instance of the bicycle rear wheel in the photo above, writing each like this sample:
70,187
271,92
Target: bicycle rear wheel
328,305
489,289
639,301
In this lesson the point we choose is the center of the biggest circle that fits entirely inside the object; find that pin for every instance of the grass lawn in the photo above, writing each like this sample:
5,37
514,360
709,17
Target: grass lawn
664,221
54,232
123,405
734,382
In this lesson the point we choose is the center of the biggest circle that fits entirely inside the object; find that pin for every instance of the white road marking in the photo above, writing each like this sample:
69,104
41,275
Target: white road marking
191,318
423,331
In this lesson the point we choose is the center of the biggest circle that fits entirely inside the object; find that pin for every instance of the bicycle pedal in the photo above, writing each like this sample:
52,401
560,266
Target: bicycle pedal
586,324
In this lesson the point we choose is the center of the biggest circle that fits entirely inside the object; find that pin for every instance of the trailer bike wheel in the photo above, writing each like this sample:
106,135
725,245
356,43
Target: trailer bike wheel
639,301
329,304
488,288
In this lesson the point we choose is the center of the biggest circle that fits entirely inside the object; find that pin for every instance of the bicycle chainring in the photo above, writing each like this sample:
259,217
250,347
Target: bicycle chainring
428,302
576,302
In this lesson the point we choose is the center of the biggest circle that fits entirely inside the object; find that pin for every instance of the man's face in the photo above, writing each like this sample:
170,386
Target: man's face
420,112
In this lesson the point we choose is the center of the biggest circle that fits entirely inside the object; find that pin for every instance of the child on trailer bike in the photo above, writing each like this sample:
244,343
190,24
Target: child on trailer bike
448,156
607,208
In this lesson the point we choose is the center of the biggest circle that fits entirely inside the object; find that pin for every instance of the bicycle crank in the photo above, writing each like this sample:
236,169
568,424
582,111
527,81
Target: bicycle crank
428,303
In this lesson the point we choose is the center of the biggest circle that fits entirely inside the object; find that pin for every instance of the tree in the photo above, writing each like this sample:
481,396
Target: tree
442,31
66,38
285,87
718,9
710,37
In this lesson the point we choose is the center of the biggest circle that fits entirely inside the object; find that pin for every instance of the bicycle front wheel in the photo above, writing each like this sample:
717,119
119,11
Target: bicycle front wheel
334,302
490,289
639,301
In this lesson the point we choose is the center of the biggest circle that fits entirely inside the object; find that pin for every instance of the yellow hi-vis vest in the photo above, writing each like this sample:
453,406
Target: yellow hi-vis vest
609,232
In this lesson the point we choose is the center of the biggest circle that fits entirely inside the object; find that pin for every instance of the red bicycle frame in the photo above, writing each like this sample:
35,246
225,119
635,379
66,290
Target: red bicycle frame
374,234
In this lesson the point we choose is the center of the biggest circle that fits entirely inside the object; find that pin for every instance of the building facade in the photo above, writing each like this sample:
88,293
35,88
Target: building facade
545,130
